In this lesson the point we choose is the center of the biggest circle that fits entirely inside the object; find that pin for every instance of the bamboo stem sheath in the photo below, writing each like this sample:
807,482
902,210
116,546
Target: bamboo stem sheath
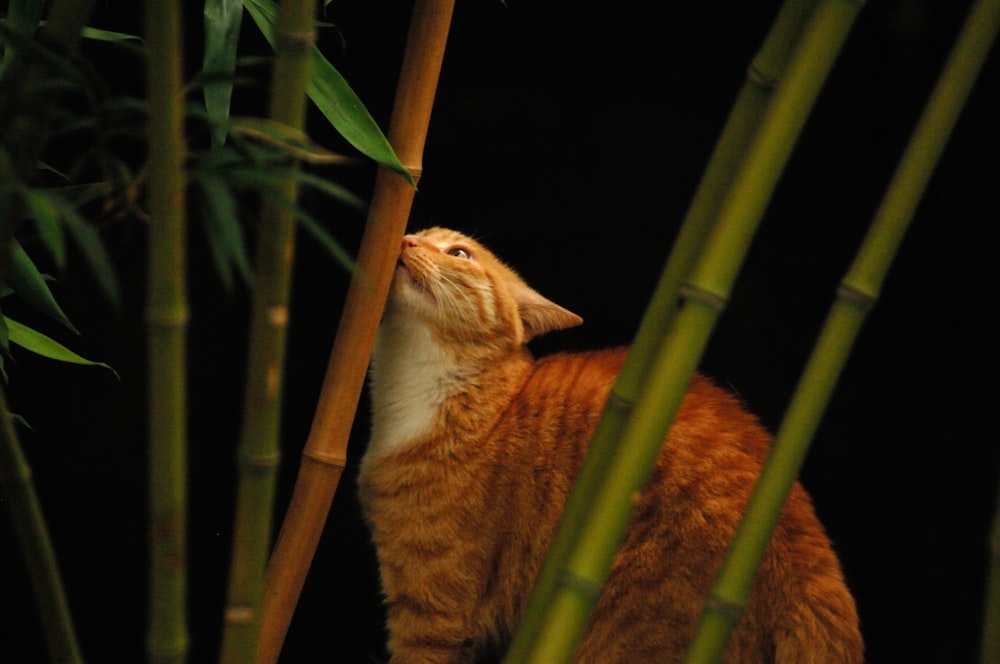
325,451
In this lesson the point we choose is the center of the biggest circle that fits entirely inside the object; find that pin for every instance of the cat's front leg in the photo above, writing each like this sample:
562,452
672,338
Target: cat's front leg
420,635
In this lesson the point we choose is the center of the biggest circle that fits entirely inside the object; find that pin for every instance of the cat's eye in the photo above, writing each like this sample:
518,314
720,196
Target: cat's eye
458,252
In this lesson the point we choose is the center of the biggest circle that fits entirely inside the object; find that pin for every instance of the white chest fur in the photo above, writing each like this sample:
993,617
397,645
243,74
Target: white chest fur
411,376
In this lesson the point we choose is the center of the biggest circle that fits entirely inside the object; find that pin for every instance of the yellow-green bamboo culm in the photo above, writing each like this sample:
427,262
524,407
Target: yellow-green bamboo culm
858,291
764,71
325,452
166,323
258,451
706,291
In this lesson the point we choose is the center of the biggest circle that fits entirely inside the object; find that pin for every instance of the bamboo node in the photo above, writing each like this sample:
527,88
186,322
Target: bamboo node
761,78
172,317
277,315
334,460
620,402
260,462
730,610
689,291
855,296
296,42
241,614
587,587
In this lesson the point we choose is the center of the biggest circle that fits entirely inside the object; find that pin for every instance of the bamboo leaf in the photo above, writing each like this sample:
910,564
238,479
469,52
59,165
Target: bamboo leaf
312,226
223,230
29,284
45,213
4,341
332,189
88,240
108,35
290,141
222,34
335,98
38,343
23,17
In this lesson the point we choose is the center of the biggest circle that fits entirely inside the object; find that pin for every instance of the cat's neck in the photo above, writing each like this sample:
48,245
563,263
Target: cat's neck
423,386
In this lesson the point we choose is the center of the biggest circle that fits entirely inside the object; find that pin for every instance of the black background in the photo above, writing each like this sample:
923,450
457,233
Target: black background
569,137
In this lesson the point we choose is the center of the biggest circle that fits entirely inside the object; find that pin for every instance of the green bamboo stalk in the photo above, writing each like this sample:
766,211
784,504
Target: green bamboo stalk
258,452
325,452
765,70
36,546
989,650
706,291
857,293
166,325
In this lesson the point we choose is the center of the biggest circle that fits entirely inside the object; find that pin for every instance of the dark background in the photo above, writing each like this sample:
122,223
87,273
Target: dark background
569,137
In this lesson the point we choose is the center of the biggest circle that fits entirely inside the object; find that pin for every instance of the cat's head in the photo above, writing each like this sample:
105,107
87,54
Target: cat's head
456,285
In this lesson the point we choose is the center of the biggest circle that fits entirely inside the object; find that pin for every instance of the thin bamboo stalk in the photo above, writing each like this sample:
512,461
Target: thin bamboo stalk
166,326
858,292
258,451
36,546
325,452
706,291
765,70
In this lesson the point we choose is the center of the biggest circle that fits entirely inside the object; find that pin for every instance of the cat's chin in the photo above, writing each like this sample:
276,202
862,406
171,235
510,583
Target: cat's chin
407,287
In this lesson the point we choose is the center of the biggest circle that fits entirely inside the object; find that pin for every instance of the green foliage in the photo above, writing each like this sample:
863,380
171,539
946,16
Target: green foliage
335,98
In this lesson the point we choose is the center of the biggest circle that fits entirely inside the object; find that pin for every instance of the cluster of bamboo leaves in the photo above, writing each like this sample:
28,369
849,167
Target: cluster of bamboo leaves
243,156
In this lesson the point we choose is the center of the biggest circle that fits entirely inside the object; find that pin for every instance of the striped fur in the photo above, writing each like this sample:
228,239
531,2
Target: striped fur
474,448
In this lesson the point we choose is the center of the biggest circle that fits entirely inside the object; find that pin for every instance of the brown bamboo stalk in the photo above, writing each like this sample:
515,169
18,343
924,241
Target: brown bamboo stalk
325,452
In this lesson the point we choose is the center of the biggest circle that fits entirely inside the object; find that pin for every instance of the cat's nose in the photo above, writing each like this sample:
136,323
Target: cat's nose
409,241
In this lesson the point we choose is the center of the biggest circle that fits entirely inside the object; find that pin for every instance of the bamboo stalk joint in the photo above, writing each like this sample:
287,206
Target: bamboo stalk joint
580,584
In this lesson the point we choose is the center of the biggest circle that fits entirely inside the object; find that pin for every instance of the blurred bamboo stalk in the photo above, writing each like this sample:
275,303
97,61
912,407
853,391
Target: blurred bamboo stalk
166,324
325,451
259,448
706,291
764,71
858,292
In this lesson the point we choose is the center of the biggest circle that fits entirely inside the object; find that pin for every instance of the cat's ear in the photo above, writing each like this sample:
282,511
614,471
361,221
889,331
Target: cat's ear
539,315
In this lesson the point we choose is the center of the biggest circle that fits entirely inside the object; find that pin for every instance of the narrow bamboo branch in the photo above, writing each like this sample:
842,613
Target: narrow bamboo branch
166,325
36,546
762,76
325,451
706,292
857,293
259,443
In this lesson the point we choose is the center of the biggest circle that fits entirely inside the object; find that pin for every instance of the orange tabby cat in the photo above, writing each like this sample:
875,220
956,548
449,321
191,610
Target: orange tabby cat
474,448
